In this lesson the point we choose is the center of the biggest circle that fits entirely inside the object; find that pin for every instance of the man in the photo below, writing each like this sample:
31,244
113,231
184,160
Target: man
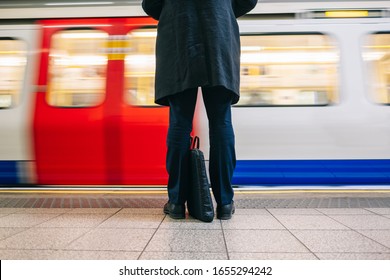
198,45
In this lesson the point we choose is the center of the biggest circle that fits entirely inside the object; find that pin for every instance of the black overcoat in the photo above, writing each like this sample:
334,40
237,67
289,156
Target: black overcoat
198,44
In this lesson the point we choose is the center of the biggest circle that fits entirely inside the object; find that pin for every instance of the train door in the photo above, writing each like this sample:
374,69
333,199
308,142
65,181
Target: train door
17,66
88,129
69,110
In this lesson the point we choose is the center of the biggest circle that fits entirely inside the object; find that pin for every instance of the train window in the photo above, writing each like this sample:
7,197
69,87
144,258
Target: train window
288,70
77,68
140,67
376,55
13,60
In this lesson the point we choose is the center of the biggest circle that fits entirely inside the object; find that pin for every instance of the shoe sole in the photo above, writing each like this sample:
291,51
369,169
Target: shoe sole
226,216
176,216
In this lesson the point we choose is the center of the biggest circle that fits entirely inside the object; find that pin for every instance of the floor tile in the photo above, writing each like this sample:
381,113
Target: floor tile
252,222
7,232
262,241
294,211
149,234
113,240
94,255
132,221
188,240
182,256
309,222
272,256
94,210
338,241
42,238
353,256
363,221
26,254
241,211
380,236
76,220
146,211
382,211
9,210
344,211
189,223
25,220
44,210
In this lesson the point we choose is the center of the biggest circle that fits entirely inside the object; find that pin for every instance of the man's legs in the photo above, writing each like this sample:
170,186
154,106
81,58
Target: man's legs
222,150
181,113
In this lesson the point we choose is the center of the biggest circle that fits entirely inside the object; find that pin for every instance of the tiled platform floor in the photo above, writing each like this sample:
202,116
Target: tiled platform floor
144,232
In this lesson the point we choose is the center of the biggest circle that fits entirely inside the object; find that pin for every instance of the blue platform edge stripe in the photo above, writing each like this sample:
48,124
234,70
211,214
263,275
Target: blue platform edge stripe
312,172
9,172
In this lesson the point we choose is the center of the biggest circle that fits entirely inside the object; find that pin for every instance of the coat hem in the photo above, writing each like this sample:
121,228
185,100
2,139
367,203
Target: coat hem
164,100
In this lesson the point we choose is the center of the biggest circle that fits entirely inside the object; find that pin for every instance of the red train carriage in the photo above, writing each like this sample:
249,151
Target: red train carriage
94,122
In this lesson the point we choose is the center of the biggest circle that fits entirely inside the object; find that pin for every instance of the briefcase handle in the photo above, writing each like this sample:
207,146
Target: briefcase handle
194,144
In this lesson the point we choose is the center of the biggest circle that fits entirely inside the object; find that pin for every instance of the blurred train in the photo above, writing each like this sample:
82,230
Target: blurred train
77,86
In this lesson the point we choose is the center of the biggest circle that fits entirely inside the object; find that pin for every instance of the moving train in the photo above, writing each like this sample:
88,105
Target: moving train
77,82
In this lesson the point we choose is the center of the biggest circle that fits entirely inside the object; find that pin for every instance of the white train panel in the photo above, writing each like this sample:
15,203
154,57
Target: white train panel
18,71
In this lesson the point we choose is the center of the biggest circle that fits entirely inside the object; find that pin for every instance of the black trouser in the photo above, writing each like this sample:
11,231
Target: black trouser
217,101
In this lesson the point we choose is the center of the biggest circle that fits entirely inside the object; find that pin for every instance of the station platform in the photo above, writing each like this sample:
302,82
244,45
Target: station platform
130,225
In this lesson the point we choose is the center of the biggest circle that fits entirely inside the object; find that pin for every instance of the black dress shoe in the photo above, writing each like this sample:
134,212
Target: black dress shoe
225,212
175,211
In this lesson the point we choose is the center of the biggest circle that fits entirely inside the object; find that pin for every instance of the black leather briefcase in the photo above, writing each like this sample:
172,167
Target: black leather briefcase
199,202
